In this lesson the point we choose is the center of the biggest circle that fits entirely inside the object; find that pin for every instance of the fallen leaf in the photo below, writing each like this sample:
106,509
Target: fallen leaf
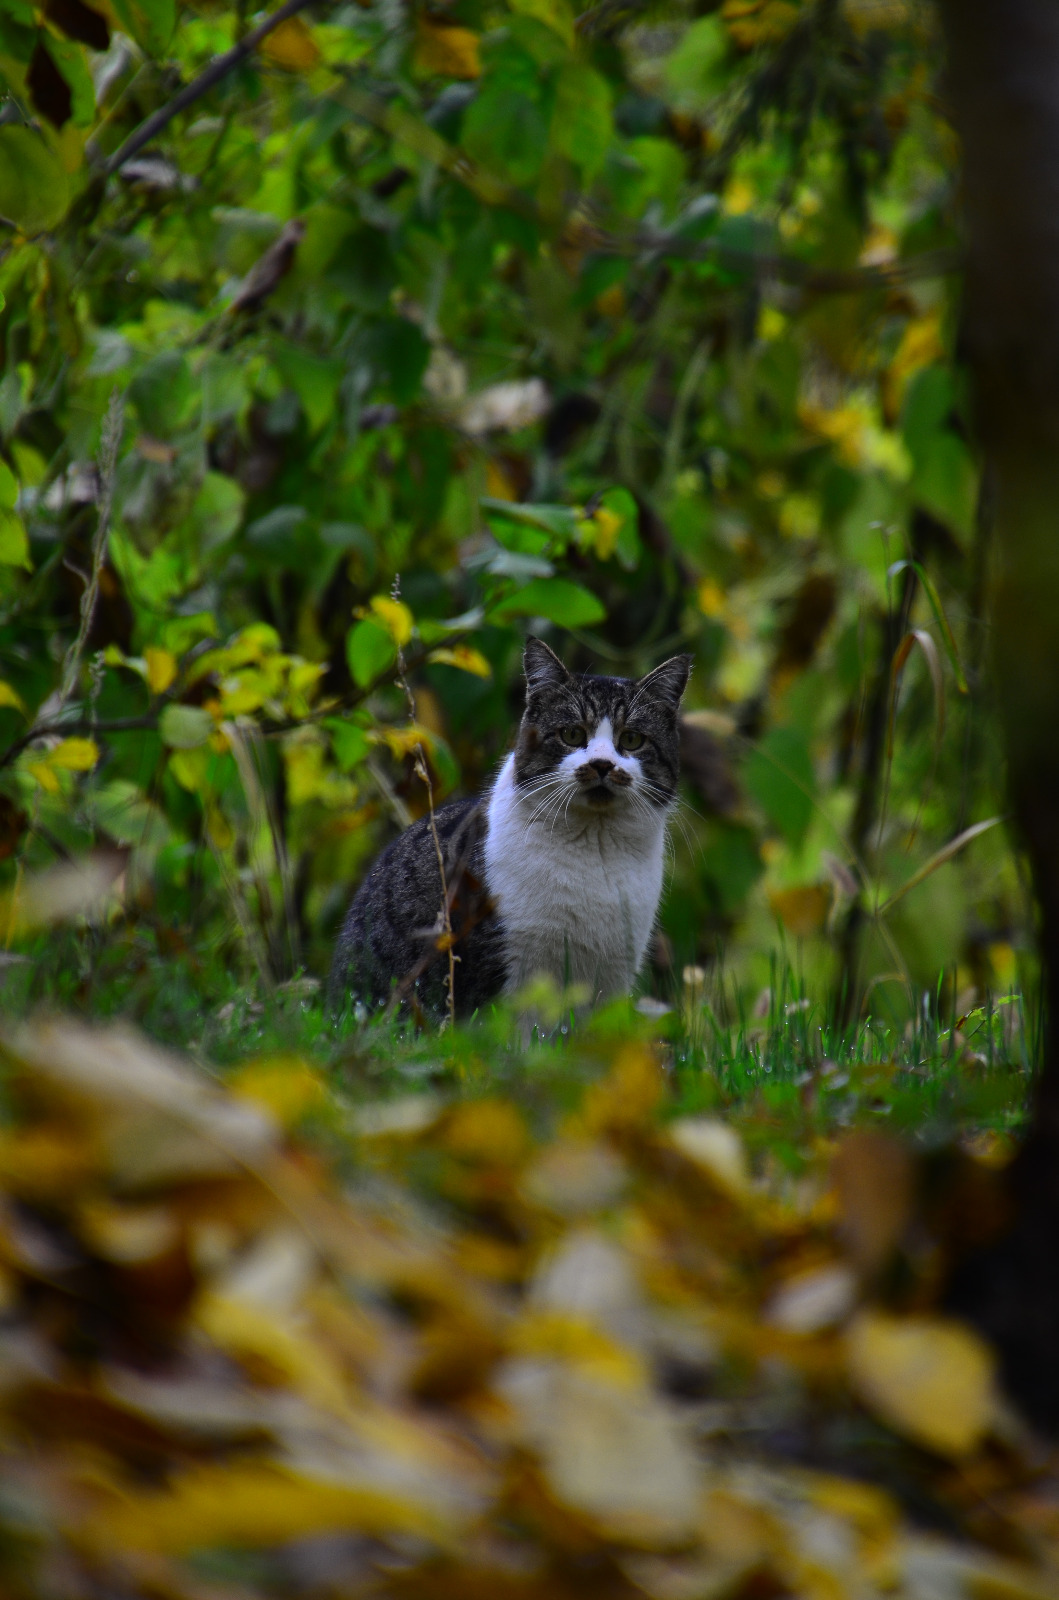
930,1378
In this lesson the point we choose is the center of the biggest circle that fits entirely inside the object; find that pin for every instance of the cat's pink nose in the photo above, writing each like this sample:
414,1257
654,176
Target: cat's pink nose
602,765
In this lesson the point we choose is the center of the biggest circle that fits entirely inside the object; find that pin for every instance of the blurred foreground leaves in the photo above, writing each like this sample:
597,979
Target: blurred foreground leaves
475,1348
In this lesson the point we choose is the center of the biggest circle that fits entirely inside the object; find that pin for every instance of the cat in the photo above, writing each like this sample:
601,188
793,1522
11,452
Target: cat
557,869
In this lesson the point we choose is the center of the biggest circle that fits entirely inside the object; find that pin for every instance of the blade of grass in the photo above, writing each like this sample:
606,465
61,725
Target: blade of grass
938,859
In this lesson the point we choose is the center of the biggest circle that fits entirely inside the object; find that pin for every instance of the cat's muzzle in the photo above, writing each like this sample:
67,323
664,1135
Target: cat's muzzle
601,781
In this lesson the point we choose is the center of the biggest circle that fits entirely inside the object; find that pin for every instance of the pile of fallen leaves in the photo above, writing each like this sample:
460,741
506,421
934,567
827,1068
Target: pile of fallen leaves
460,1350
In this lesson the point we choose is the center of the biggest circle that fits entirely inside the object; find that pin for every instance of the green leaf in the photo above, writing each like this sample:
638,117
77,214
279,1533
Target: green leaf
216,512
19,11
557,599
945,482
620,503
779,774
69,57
314,379
506,125
8,487
927,405
34,189
555,14
185,727
698,69
582,128
164,393
349,742
560,522
398,352
732,864
14,546
645,171
370,651
151,22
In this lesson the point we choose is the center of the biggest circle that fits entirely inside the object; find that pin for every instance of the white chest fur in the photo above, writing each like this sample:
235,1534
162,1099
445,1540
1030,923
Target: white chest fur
577,897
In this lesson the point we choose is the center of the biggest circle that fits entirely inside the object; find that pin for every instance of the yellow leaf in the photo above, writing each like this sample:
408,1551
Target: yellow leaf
287,1087
161,669
605,529
44,1163
739,197
403,742
72,755
921,344
447,52
44,776
771,23
395,618
492,1131
190,768
272,1347
629,1093
711,598
611,303
498,485
771,323
929,1378
579,1343
462,656
717,1149
803,911
75,755
11,697
291,46
219,830
251,1506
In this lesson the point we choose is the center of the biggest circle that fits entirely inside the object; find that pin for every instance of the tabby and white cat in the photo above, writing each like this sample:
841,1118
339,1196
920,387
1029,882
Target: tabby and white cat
556,869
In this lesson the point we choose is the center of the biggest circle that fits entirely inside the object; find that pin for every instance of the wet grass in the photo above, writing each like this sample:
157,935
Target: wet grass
785,1067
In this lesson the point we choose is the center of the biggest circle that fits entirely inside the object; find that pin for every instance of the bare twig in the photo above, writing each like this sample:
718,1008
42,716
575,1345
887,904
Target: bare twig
110,440
219,68
423,772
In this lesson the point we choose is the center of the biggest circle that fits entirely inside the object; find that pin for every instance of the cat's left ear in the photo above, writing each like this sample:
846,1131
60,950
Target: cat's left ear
667,682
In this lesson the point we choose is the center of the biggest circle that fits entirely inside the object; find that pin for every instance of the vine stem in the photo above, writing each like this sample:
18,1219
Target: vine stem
110,440
219,68
423,772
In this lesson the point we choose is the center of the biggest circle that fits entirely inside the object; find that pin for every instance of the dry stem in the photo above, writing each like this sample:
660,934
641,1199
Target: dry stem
423,772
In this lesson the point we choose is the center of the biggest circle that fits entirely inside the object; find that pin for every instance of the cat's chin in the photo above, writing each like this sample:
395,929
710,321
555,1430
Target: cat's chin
599,797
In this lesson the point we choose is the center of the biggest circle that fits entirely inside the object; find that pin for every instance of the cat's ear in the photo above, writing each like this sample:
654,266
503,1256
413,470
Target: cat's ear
542,667
667,682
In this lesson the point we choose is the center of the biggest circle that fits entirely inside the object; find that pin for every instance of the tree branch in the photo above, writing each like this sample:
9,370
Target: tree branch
219,68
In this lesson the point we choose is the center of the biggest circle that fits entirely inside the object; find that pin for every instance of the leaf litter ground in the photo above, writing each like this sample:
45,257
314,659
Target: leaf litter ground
271,1338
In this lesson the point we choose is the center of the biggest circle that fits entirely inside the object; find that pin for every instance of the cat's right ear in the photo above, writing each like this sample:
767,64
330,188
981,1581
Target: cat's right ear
542,667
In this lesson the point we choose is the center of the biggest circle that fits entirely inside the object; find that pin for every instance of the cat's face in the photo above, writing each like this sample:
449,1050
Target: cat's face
593,744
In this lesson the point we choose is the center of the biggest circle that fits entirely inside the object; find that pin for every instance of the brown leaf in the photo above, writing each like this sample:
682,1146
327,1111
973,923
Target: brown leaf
803,911
874,1178
292,46
269,271
48,89
79,22
447,52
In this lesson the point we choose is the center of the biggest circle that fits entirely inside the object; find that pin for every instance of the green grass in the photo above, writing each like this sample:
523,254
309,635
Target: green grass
786,1070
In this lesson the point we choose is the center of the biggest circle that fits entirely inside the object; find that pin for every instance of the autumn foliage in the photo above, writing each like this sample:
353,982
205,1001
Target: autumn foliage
481,1349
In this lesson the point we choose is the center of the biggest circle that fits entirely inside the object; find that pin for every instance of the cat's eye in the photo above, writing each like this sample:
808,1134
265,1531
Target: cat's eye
573,735
629,739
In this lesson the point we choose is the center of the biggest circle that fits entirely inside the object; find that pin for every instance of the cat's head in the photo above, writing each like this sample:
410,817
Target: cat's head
599,744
